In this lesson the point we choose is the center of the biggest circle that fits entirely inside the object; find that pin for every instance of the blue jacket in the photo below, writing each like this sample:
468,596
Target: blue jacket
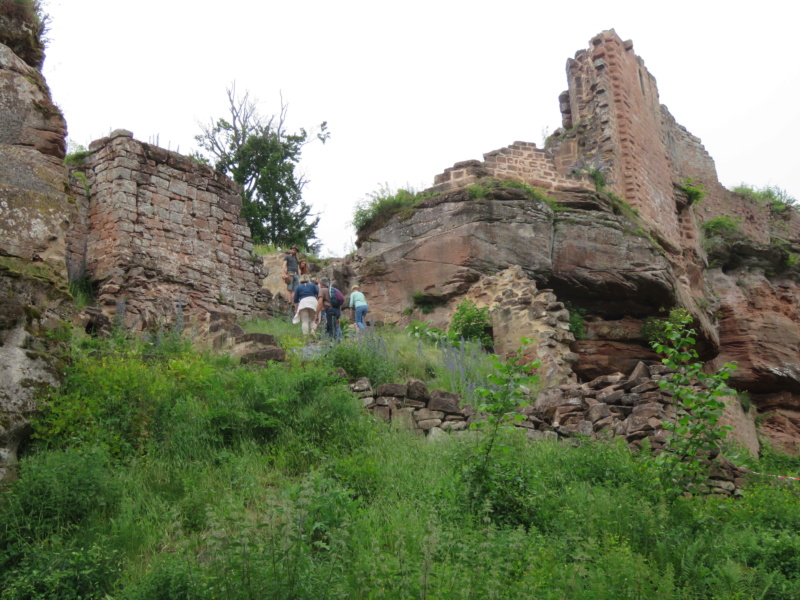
304,290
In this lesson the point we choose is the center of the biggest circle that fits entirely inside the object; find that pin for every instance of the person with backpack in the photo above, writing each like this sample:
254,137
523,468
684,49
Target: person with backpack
305,298
358,304
330,304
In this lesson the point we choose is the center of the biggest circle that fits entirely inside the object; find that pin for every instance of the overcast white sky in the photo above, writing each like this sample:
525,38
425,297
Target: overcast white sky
409,88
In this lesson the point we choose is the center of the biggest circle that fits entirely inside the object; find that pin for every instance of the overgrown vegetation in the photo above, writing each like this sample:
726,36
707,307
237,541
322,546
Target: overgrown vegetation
471,323
724,226
488,477
694,190
23,26
654,330
426,303
481,190
770,196
696,433
380,206
76,155
577,321
162,473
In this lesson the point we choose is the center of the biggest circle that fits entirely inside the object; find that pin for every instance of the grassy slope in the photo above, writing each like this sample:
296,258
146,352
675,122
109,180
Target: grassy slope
162,473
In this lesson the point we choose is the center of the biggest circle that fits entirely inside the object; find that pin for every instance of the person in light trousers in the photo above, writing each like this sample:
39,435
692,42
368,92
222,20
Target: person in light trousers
358,304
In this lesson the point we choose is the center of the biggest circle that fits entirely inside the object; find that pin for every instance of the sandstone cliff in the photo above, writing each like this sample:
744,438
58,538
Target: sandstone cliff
35,212
613,231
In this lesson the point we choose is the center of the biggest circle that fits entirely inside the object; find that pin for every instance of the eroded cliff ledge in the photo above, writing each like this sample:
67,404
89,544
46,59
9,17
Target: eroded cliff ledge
613,231
35,213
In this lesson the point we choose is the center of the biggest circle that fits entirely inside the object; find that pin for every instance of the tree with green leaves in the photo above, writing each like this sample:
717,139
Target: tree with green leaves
262,157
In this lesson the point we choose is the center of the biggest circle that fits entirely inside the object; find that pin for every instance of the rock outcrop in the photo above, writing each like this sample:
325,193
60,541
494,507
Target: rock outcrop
35,212
35,206
614,231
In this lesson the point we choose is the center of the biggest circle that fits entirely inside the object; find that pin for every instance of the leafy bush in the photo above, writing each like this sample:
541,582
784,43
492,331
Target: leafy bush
695,432
779,463
55,493
492,482
471,323
723,226
423,330
654,330
64,571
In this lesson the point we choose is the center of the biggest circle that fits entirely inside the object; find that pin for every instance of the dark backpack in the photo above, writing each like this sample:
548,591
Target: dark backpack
337,299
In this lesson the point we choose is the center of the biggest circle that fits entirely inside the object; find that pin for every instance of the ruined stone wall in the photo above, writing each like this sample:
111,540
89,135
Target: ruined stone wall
613,120
162,231
615,111
521,161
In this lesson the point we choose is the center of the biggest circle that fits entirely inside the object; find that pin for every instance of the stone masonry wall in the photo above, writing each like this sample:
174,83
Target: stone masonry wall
614,110
521,161
161,230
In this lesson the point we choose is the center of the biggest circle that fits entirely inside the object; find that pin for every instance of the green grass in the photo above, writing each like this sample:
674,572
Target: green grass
77,158
481,190
265,249
723,226
286,333
694,190
161,472
771,196
379,207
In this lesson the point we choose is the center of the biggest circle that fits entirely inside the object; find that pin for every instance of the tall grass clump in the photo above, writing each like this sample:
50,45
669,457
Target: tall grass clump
365,355
184,403
694,190
378,207
286,333
777,199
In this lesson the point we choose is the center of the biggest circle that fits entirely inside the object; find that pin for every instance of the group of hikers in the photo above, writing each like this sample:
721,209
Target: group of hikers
314,300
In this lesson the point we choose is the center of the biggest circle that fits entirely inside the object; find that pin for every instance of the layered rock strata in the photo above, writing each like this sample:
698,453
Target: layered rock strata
574,245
